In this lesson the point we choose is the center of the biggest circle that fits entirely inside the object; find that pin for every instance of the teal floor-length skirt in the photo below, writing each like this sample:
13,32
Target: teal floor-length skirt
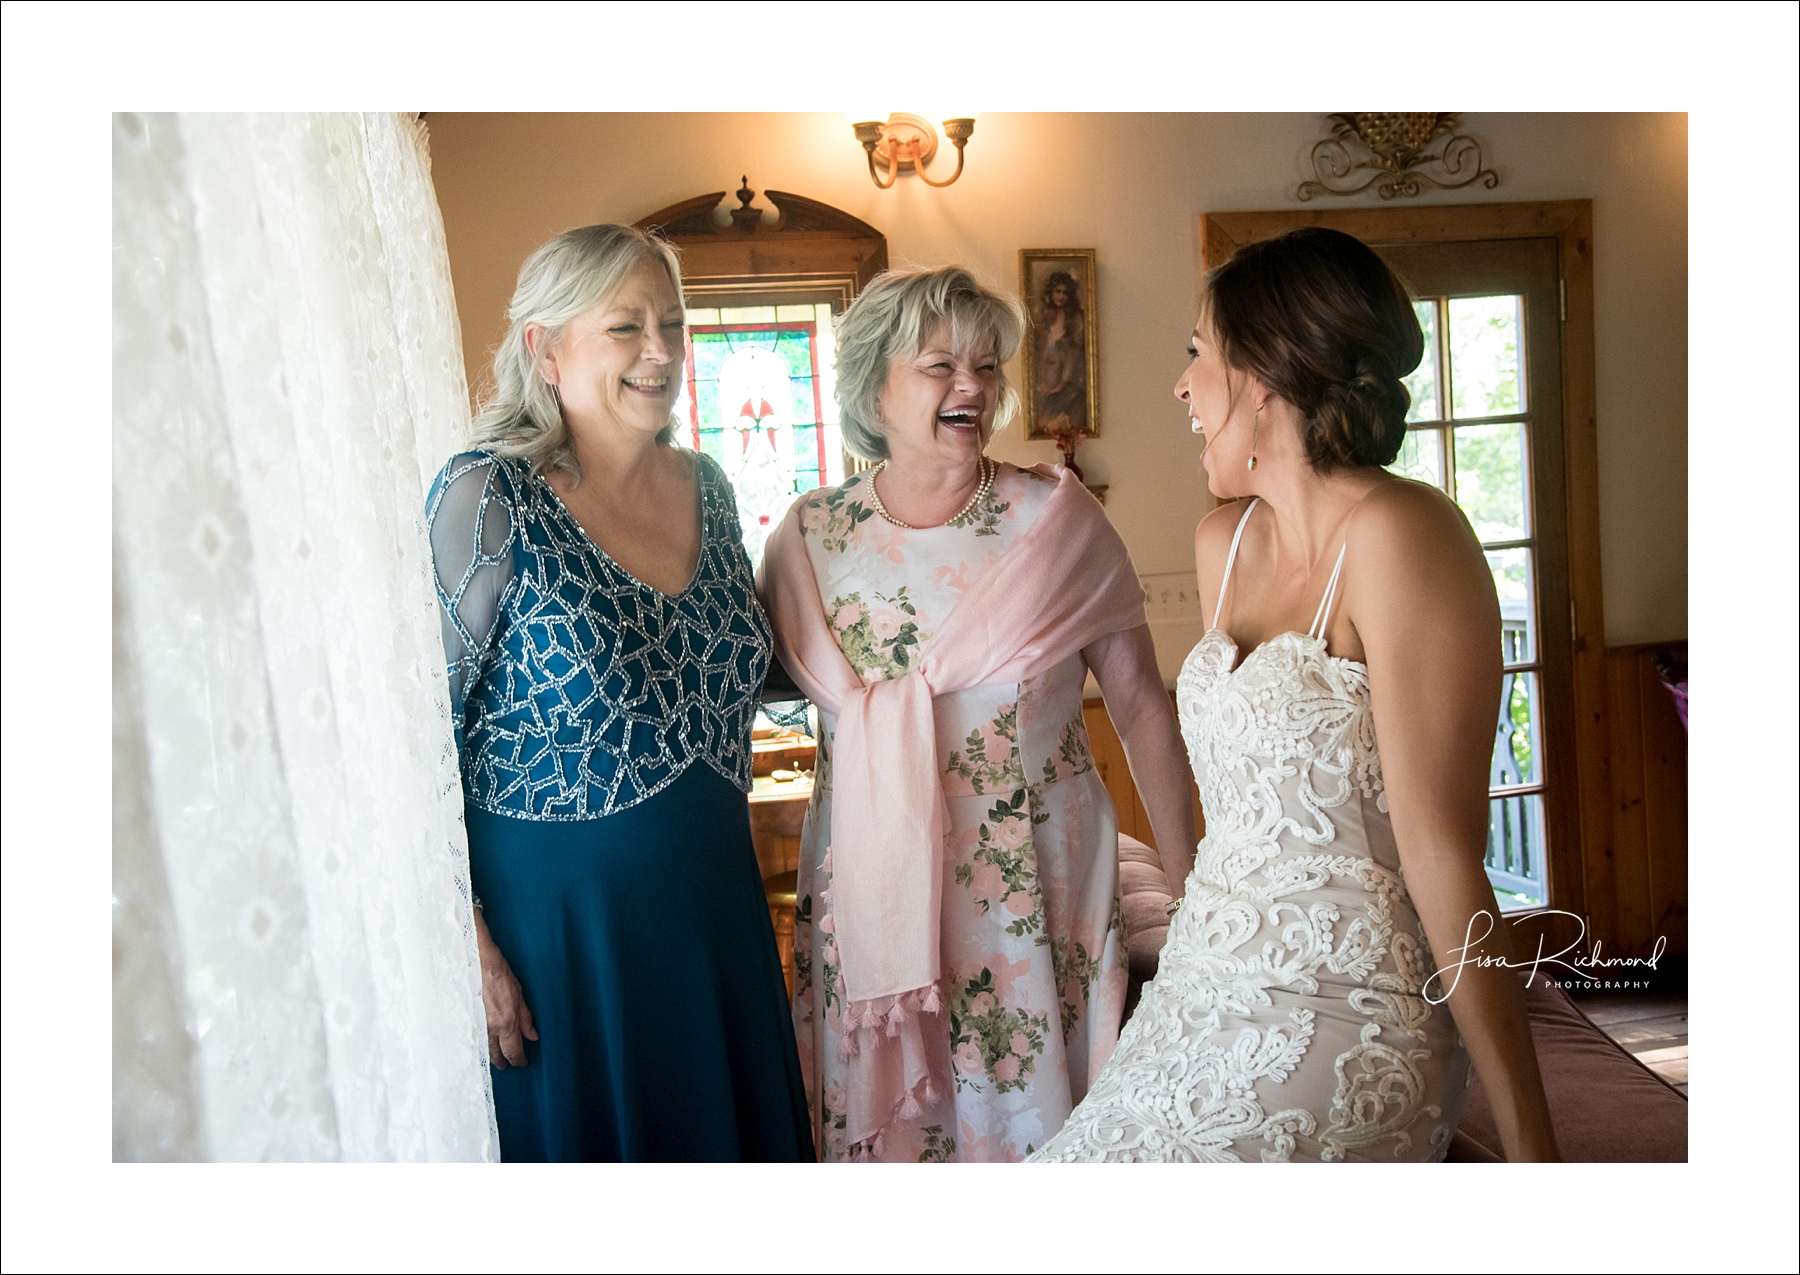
643,944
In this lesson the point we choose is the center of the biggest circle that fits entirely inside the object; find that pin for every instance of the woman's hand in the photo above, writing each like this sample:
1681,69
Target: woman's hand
509,1023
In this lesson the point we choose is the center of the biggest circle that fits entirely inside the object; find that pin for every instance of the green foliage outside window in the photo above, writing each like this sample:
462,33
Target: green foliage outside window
1519,709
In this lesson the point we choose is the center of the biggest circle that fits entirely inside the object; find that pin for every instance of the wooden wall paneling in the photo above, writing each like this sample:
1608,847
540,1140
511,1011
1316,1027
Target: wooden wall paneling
1648,779
1664,746
1631,869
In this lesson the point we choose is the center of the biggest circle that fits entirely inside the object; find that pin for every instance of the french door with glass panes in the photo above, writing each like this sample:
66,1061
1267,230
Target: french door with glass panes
1486,426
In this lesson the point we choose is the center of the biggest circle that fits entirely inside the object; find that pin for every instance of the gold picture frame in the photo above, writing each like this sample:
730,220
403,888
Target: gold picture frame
1060,381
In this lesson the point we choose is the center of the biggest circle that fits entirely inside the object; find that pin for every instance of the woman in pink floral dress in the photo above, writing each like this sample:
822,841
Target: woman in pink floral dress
983,1058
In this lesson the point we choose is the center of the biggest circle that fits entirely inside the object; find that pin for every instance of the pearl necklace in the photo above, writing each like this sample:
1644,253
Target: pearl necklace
988,470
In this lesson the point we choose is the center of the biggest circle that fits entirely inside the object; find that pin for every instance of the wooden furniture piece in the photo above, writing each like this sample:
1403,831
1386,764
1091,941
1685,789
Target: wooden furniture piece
813,252
1115,774
777,810
782,893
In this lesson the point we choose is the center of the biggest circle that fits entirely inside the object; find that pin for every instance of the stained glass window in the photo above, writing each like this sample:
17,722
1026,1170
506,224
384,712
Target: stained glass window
759,398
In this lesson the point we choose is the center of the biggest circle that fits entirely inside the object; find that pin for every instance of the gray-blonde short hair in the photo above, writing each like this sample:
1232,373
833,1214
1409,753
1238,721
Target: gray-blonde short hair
567,277
893,318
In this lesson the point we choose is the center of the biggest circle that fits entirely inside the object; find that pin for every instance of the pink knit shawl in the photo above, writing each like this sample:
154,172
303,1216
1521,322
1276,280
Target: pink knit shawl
1066,582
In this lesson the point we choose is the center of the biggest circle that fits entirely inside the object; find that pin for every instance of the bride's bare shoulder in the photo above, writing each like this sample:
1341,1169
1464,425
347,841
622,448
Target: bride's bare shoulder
1407,512
1212,544
1413,534
1212,537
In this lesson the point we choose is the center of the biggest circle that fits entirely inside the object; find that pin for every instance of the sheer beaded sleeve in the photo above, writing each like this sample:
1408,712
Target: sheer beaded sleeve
472,533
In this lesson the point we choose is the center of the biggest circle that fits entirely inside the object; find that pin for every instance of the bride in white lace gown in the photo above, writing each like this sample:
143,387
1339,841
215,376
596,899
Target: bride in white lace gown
1296,1015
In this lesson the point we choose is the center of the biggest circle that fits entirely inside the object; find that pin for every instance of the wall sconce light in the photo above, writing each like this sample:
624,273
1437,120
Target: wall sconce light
905,143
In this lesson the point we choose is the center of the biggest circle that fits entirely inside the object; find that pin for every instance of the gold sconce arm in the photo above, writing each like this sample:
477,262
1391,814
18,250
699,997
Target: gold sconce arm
903,142
959,132
869,134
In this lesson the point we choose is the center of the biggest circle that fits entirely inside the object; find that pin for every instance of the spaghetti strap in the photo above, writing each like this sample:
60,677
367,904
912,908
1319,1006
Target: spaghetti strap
1322,617
1231,558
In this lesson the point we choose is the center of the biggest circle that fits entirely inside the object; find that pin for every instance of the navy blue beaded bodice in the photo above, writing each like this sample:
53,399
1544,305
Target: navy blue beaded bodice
579,690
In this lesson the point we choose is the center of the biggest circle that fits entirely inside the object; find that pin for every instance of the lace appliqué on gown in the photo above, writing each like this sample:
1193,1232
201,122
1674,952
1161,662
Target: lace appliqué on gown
1288,1020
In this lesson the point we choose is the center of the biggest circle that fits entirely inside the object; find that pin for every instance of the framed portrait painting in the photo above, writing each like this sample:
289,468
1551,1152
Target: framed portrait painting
1061,389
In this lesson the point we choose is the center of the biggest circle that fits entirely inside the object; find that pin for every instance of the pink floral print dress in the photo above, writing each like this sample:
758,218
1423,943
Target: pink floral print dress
1033,949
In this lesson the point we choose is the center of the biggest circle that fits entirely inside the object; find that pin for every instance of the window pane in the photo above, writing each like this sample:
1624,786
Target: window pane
1421,457
1512,582
697,318
755,409
1490,479
1515,851
1515,760
1423,383
1484,356
825,334
747,314
834,456
794,313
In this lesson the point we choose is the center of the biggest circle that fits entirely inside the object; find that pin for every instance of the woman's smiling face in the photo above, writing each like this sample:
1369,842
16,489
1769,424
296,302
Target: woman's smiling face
1218,405
939,403
620,362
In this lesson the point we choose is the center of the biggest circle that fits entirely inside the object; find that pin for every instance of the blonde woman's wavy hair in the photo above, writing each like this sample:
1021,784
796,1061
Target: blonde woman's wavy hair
893,318
572,274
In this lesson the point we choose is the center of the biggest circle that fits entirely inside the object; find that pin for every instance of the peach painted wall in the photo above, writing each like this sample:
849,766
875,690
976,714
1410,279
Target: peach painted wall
1130,186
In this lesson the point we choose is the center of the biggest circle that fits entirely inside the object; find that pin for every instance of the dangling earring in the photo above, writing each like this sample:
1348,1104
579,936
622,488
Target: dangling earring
1255,421
556,394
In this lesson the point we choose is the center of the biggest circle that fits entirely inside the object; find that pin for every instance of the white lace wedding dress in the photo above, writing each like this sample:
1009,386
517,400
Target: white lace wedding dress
1286,1021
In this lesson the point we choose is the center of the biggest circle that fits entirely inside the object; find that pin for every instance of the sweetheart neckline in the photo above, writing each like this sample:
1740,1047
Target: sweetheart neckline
1245,656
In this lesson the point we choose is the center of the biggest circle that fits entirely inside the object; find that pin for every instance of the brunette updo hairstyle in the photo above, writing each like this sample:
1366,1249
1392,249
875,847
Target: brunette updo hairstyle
1317,317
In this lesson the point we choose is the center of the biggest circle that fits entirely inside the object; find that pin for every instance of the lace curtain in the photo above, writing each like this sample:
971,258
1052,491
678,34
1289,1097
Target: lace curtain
294,961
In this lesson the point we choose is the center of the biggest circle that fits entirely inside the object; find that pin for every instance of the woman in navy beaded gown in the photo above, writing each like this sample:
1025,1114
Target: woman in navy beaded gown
606,657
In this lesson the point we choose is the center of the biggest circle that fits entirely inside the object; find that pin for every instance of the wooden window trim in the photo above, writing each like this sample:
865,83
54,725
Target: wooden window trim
1582,884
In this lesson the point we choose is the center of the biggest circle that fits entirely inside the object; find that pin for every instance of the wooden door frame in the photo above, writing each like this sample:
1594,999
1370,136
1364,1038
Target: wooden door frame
1583,885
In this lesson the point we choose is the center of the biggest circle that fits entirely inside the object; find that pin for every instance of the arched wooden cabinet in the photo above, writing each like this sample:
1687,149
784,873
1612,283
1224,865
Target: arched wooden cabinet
812,252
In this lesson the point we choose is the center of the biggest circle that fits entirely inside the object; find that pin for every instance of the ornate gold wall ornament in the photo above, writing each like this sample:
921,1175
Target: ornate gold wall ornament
1394,152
